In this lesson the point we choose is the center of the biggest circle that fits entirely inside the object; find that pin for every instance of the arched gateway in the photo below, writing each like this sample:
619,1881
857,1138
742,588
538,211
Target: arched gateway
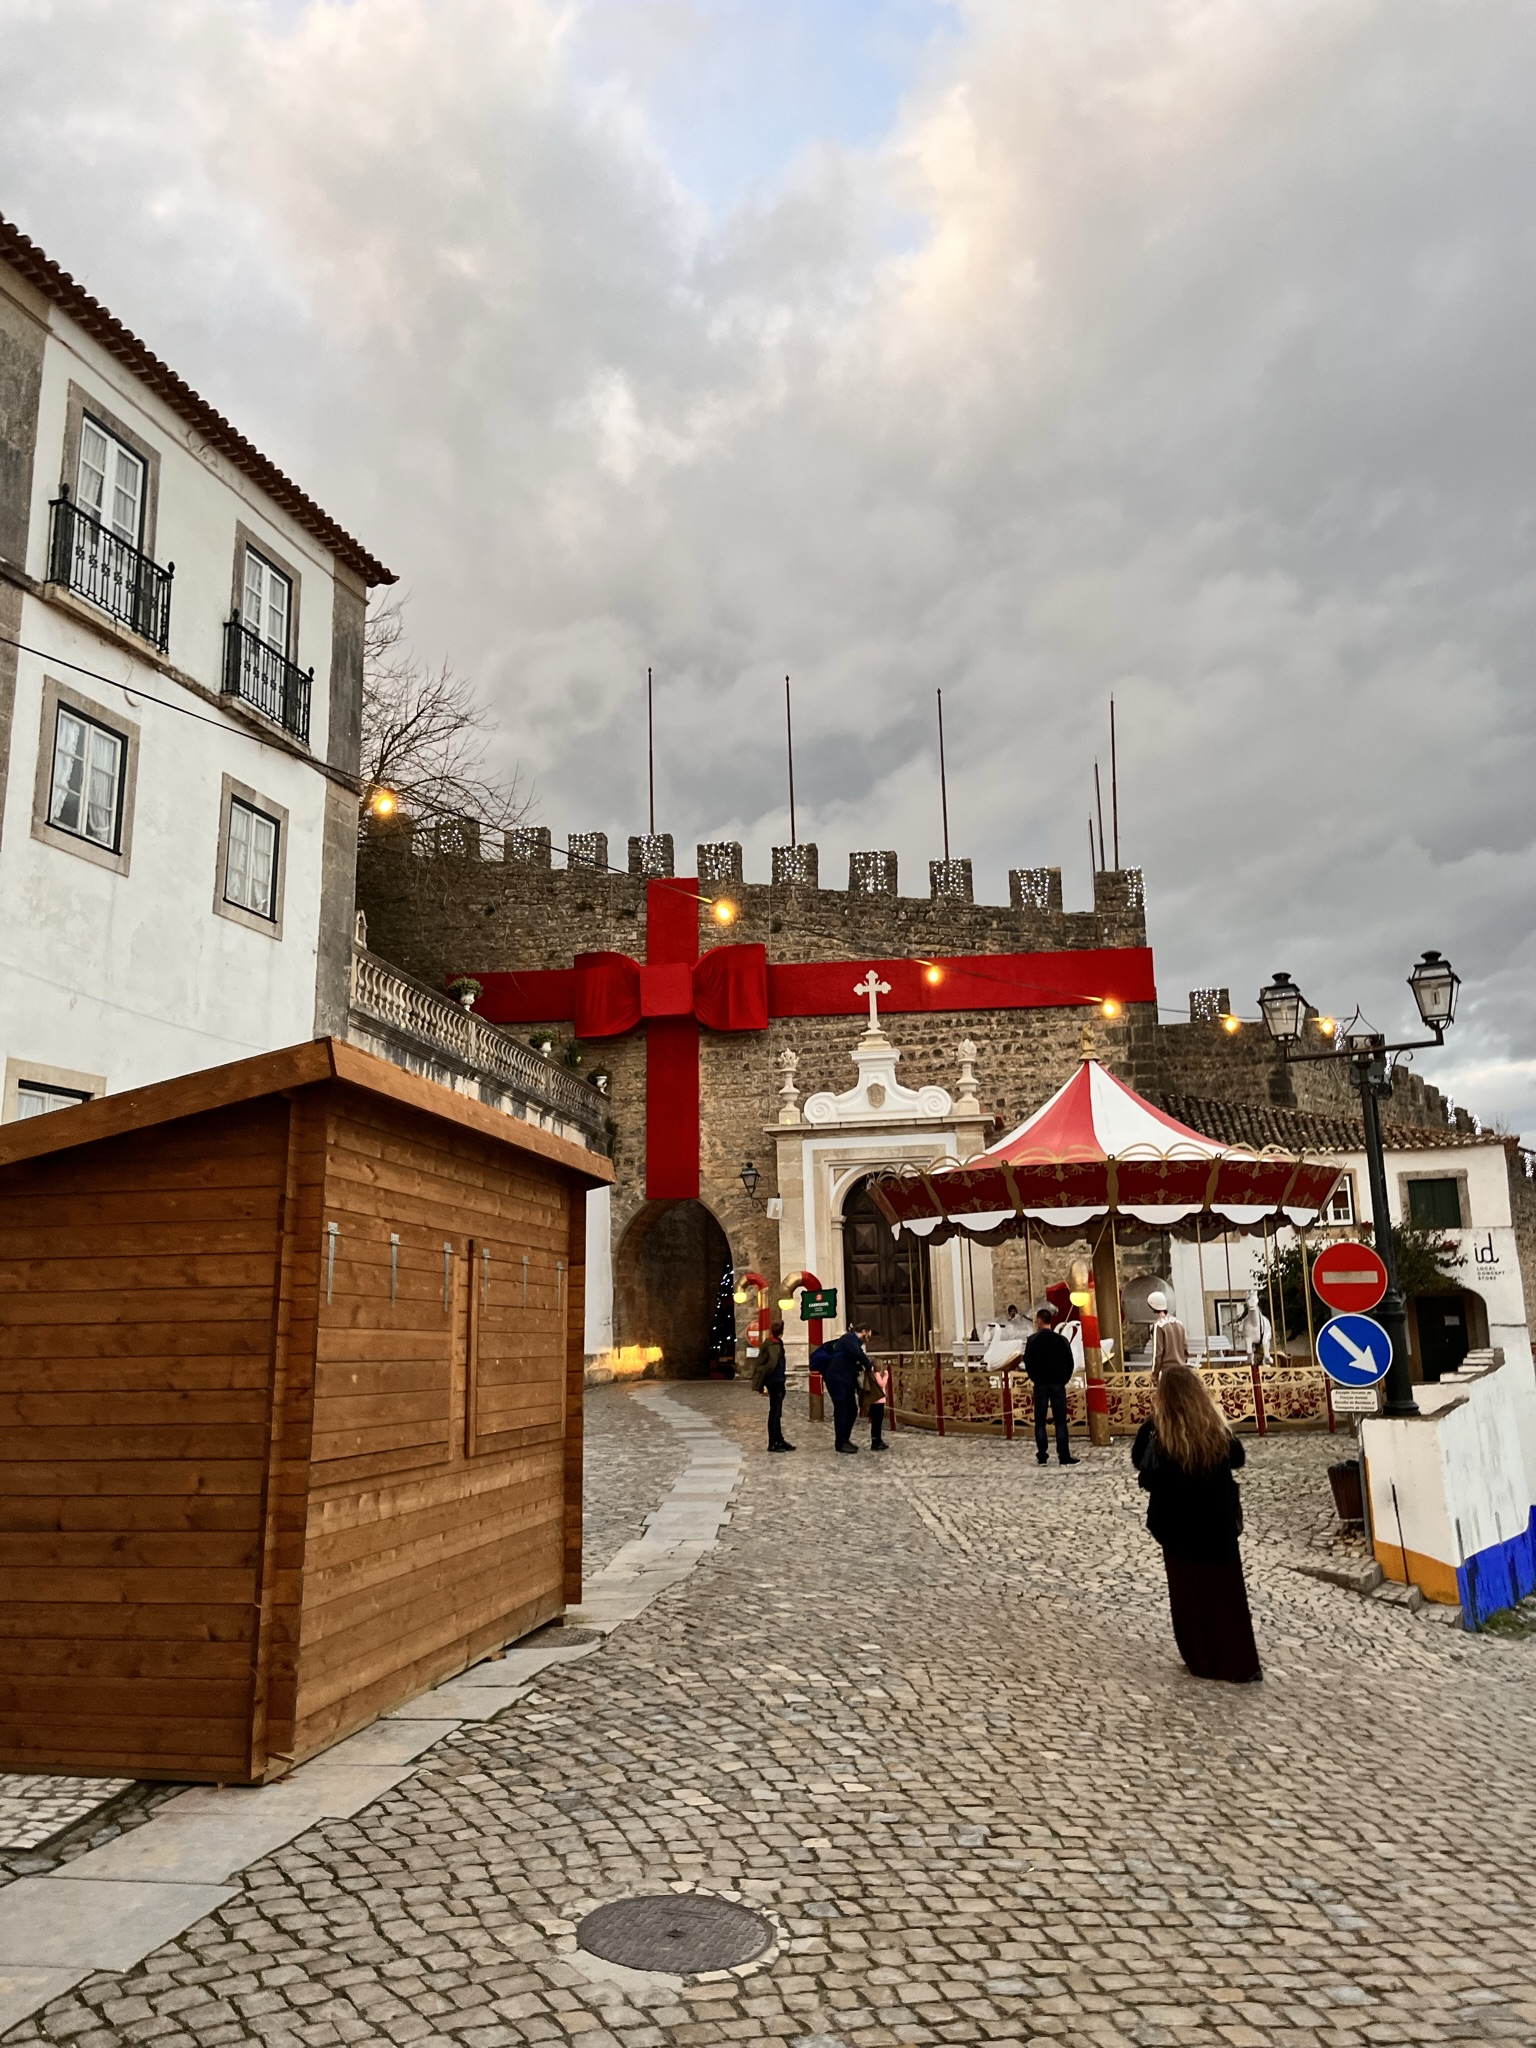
666,1281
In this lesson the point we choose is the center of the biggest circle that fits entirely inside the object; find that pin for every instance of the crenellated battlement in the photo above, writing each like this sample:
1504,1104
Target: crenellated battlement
540,903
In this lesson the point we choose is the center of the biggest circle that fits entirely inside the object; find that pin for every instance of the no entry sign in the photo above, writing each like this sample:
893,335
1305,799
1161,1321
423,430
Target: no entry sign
1349,1277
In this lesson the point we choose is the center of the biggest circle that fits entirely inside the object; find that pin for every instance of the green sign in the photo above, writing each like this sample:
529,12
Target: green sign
816,1308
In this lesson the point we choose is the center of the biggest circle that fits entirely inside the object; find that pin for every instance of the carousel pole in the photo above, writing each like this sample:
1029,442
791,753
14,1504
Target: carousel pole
1103,1319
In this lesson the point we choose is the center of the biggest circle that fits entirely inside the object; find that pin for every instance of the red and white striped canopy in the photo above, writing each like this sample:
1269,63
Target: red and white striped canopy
1097,1149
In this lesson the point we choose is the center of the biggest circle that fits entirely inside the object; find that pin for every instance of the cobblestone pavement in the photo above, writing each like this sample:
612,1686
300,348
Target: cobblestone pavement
632,1458
924,1709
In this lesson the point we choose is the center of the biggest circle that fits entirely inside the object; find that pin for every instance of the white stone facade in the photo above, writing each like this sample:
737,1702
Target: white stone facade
190,901
1221,1270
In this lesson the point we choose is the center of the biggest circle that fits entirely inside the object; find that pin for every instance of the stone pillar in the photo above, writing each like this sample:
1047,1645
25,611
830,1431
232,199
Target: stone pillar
1209,1005
527,845
871,874
587,850
1034,888
949,881
1119,891
797,867
719,864
650,856
789,1094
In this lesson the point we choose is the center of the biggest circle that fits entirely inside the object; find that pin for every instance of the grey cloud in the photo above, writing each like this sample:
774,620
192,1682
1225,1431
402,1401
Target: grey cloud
1183,351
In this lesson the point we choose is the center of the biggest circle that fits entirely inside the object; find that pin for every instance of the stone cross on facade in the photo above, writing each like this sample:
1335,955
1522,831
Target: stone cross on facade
873,987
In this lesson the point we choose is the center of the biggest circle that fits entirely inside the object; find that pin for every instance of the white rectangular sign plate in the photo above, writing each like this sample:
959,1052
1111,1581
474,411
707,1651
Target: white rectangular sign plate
1356,1400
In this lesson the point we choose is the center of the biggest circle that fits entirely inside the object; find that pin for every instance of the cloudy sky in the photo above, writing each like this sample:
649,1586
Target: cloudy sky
1030,349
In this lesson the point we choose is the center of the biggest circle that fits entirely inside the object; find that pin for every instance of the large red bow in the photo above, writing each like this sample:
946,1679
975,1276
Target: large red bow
725,991
673,992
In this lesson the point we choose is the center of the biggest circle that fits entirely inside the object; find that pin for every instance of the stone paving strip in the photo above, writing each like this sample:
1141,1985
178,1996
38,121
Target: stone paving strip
111,1907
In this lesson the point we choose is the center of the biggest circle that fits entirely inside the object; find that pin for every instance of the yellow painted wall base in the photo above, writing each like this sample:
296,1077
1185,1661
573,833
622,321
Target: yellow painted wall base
1436,1581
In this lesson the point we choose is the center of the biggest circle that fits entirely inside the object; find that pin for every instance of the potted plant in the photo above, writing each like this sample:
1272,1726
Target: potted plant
465,990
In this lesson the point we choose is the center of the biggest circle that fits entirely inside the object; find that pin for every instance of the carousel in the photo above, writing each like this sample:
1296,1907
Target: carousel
1098,1164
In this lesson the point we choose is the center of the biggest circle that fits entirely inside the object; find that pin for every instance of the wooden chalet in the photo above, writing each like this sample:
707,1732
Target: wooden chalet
290,1409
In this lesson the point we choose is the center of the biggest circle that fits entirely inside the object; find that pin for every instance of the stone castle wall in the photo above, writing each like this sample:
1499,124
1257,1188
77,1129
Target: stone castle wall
441,907
450,911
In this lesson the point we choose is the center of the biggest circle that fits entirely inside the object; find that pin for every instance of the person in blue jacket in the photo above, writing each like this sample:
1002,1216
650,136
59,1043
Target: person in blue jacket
842,1364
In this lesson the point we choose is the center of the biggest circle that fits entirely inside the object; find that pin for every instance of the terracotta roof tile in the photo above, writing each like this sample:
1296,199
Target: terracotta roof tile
1298,1130
25,257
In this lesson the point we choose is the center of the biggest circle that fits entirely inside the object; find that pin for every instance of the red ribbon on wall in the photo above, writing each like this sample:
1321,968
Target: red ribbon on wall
674,992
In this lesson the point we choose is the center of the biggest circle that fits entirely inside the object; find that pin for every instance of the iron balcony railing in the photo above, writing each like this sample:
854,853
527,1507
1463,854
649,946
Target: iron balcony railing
109,572
263,675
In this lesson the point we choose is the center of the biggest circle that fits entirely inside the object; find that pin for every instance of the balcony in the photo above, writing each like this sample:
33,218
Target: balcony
109,572
262,675
404,1021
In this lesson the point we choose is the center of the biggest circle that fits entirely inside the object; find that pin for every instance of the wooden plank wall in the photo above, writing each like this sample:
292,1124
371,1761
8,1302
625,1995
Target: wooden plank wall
136,1320
436,1526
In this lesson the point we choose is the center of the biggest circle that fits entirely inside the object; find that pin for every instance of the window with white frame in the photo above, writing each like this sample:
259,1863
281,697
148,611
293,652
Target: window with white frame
1341,1203
250,860
267,604
41,1098
86,795
110,482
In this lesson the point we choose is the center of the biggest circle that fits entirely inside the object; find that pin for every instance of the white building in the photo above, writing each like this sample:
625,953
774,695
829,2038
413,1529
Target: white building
178,745
1456,1183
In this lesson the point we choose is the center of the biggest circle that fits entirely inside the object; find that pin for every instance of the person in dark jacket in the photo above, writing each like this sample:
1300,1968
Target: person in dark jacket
770,1378
842,1365
1048,1361
1186,1456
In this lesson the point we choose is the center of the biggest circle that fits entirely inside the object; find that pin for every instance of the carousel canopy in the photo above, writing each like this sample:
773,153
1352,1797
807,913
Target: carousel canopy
1098,1149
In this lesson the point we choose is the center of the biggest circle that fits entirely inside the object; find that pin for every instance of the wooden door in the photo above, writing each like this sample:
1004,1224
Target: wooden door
884,1284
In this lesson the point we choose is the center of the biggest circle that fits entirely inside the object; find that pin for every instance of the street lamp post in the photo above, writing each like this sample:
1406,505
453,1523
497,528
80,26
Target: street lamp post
1285,1010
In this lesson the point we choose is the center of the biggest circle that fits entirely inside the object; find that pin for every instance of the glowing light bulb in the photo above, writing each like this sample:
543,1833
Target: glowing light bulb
1327,1026
1110,1007
740,1295
1080,1300
1229,1024
933,976
786,1303
723,910
383,803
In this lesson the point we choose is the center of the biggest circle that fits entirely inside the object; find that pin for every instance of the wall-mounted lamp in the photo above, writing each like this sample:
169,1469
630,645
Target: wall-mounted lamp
749,1179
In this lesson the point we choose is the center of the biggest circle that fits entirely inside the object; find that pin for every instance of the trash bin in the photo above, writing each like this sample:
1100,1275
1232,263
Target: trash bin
1348,1497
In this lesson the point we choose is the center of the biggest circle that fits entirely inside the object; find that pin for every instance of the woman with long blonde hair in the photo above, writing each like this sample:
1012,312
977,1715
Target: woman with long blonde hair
1186,1456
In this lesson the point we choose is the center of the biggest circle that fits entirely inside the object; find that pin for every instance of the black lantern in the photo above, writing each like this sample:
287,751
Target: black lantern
1284,1010
749,1179
1434,982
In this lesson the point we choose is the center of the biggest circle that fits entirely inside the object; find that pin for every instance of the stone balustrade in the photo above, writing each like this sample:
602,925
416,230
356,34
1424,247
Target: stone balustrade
403,1020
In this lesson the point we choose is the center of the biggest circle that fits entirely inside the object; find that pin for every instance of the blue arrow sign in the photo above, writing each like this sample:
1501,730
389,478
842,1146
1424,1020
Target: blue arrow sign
1354,1351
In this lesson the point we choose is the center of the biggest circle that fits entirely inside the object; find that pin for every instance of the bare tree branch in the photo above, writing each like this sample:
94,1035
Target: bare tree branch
426,735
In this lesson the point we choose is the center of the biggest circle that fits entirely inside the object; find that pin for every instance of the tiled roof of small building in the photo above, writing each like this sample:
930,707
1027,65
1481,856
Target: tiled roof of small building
1304,1130
40,270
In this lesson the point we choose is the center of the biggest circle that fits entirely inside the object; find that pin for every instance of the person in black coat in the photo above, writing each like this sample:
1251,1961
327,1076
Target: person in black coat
1048,1361
771,1378
842,1365
1185,1456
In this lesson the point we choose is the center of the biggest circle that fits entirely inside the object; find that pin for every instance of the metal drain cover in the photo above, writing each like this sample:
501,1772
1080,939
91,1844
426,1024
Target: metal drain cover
678,1932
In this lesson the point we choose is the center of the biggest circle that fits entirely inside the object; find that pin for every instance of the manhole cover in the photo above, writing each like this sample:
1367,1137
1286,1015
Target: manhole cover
679,1932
